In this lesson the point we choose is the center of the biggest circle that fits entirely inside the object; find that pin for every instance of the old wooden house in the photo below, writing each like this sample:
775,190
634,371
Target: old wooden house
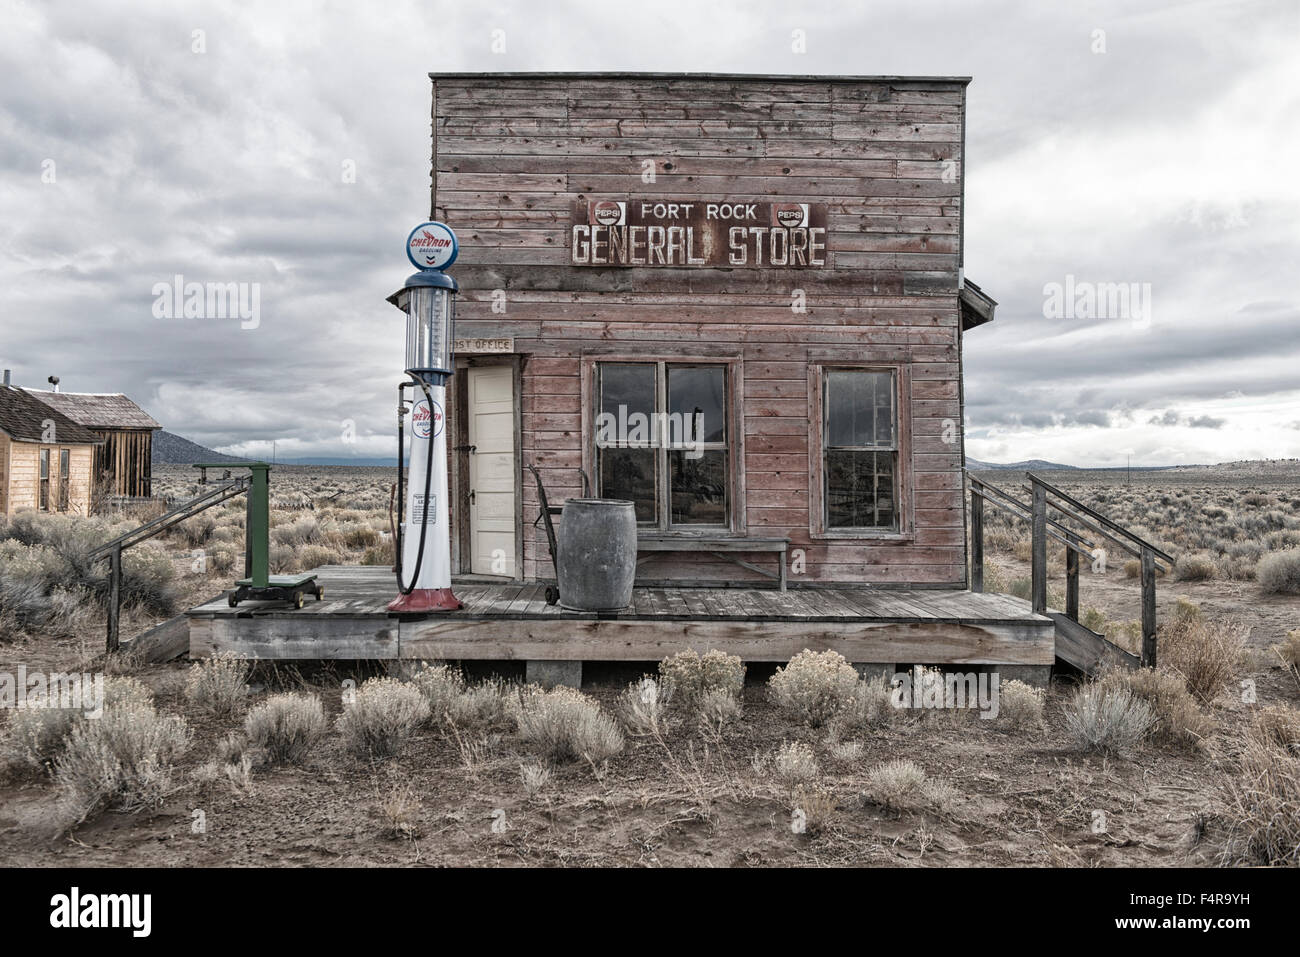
46,459
123,465
737,301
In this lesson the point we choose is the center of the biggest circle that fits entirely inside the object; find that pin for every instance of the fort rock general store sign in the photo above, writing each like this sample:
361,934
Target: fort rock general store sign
663,232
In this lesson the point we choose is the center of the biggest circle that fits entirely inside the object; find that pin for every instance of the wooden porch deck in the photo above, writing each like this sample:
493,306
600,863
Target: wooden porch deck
870,625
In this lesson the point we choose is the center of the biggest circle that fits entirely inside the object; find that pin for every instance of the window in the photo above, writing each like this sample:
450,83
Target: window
45,480
860,448
64,478
661,442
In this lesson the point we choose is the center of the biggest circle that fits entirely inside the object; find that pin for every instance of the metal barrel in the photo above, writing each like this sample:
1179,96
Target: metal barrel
597,561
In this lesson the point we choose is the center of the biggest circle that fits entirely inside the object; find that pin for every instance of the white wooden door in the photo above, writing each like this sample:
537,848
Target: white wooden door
492,470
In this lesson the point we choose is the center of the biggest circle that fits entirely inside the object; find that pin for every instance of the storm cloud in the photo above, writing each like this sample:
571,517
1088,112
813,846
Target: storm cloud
287,145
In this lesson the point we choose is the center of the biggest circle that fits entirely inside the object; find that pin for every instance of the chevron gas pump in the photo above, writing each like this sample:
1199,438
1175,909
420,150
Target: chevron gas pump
423,544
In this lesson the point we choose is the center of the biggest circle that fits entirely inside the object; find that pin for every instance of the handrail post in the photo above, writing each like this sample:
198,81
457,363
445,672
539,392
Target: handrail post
1072,578
976,538
1148,608
114,599
1038,581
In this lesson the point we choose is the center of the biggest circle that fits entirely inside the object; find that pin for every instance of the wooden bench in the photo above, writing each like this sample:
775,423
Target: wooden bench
723,547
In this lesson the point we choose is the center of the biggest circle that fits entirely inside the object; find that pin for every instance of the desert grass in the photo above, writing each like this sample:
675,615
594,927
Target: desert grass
219,685
381,717
286,727
1109,719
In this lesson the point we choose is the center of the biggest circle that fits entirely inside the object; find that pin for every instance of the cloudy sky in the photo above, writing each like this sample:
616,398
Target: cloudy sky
1147,144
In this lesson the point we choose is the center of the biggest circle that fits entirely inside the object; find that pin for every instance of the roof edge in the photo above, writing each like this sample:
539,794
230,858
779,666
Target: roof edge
614,75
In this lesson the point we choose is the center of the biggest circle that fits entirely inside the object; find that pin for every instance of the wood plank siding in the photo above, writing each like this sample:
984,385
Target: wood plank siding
514,156
125,461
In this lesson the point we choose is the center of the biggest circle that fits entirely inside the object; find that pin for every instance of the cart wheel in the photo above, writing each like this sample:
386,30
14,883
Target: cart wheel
320,592
231,600
297,599
552,594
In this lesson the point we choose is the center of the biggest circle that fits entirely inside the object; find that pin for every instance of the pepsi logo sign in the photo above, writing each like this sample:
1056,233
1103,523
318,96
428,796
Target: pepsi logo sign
432,246
608,212
426,421
791,215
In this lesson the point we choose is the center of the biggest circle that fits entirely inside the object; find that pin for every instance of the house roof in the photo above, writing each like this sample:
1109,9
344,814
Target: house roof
97,410
26,419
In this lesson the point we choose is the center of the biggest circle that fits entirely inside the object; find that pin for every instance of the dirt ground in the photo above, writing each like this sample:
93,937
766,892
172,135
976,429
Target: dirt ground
695,798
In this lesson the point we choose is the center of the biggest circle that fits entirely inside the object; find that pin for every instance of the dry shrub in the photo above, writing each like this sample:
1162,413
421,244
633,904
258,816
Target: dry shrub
37,736
870,706
1020,706
718,707
284,727
534,777
1279,725
565,724
122,759
1279,572
1288,650
1263,805
384,713
1195,568
1179,722
643,706
902,785
795,763
219,685
1206,652
815,686
480,705
1107,718
441,686
689,675
400,812
815,806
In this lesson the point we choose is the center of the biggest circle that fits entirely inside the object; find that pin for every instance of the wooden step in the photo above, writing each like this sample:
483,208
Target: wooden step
1085,649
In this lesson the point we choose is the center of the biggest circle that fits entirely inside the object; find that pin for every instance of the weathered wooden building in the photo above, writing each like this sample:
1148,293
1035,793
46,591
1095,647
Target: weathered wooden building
123,463
736,300
46,459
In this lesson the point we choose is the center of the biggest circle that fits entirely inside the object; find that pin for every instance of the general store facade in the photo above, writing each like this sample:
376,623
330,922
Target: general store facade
737,301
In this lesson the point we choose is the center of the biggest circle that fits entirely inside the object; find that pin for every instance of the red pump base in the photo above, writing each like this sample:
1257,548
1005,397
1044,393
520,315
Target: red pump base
425,599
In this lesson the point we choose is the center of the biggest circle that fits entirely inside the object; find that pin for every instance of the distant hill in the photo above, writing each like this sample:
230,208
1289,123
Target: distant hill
170,449
326,460
975,465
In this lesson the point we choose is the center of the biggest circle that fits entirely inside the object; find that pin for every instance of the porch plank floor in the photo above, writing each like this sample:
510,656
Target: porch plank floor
365,591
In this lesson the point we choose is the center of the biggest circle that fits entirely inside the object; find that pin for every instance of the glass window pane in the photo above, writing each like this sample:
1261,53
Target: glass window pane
697,404
630,474
860,489
627,403
698,492
860,409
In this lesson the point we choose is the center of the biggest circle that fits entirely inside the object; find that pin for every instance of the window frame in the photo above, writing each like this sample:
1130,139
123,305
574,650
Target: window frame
43,458
734,445
818,520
